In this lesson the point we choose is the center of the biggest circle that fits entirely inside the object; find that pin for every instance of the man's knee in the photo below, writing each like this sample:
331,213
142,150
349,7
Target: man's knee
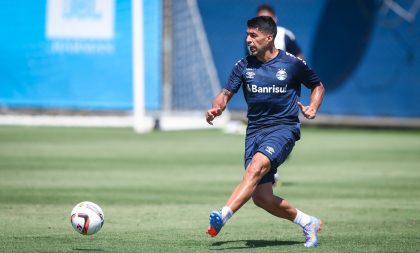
254,171
258,167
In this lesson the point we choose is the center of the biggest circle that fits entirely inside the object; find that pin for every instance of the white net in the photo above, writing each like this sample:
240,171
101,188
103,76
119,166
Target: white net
193,80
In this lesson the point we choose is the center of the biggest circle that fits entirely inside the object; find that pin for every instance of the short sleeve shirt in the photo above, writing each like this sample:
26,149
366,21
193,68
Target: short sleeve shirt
271,89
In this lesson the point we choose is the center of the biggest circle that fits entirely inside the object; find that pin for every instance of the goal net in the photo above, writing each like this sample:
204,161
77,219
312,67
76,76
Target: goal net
190,80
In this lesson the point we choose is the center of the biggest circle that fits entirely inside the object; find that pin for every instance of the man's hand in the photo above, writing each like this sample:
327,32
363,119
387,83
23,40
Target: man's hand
308,111
213,113
218,105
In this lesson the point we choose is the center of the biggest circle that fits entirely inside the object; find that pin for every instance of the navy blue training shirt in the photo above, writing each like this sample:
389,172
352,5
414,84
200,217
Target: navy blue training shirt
271,89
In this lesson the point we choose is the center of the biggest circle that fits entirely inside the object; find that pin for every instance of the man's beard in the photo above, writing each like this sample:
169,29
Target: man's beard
254,52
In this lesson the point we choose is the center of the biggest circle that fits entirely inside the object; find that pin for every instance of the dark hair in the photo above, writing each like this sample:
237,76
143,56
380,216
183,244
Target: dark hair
264,24
266,7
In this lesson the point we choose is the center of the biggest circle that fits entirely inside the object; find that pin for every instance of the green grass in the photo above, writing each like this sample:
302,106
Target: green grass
157,190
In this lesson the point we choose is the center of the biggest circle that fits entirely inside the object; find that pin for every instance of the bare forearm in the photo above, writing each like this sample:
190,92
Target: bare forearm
218,105
221,100
317,95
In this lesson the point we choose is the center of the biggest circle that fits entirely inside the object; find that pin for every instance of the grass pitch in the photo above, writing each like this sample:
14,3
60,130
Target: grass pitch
157,190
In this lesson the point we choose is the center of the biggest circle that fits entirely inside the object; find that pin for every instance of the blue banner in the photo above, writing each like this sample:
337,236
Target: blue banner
74,54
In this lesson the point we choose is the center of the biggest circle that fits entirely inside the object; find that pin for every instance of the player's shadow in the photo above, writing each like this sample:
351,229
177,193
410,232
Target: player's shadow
87,250
251,244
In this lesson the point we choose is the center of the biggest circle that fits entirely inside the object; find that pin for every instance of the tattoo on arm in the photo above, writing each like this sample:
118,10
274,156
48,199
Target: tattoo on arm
226,92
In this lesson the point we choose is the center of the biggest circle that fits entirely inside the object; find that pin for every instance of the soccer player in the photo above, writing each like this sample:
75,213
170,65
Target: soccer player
271,81
285,39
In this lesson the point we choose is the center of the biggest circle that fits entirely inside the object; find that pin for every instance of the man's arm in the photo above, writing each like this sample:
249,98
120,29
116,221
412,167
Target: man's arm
219,105
317,95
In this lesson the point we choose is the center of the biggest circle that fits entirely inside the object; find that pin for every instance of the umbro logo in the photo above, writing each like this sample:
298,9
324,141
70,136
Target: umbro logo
249,75
269,150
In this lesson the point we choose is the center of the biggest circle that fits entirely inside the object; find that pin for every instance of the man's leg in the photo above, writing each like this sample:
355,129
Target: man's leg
263,197
258,167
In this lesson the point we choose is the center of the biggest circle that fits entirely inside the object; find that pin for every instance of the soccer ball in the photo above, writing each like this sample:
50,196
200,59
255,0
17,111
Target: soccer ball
87,218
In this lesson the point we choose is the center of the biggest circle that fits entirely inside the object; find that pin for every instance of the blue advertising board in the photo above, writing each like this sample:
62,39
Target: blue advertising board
77,54
74,54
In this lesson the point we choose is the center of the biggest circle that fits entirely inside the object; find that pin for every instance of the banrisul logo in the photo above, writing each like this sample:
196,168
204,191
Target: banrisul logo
80,19
81,26
267,89
281,74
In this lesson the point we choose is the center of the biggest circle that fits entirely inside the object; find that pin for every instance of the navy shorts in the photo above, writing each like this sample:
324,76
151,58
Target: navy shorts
276,143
